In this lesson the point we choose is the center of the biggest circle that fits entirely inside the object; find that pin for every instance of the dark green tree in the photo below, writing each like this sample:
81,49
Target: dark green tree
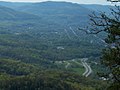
110,24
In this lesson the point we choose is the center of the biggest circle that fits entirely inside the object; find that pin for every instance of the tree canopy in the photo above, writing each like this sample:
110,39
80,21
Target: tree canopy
110,25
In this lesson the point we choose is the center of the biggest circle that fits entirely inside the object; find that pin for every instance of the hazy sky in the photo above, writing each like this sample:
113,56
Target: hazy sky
75,1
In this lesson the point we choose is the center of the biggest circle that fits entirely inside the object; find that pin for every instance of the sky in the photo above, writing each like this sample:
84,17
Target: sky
74,1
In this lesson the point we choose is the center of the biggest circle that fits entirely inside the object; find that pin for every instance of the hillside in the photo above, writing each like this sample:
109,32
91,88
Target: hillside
99,8
48,32
15,75
63,12
10,14
59,12
41,47
33,40
13,5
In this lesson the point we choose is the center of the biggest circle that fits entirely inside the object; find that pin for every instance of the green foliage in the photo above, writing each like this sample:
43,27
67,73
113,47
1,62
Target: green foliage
29,47
27,77
111,54
16,67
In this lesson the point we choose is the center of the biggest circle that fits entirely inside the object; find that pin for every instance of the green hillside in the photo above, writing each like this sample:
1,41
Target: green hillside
16,75
10,14
41,47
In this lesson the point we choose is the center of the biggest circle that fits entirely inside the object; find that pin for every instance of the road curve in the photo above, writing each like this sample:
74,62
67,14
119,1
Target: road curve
88,69
67,65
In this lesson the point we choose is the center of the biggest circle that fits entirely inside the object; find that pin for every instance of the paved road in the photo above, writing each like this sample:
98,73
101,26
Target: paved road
88,69
68,64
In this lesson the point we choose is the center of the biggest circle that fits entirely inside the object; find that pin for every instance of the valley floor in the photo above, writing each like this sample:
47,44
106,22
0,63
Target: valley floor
77,65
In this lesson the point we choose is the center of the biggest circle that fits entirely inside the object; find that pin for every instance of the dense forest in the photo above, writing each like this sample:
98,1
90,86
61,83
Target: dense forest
16,75
42,49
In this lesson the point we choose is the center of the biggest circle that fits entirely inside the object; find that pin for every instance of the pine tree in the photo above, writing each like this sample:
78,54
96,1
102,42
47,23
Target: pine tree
110,24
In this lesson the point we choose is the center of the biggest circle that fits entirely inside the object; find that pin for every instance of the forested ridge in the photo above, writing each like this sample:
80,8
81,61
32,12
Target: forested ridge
41,49
16,75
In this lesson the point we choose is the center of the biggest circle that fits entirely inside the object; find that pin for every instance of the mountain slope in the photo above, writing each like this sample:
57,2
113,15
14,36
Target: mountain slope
34,40
10,14
13,5
16,75
58,12
55,8
34,37
98,8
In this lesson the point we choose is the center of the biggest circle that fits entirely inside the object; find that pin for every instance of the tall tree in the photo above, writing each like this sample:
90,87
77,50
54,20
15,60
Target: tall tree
110,24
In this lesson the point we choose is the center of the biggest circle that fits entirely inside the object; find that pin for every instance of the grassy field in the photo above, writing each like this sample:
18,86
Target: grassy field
78,70
71,65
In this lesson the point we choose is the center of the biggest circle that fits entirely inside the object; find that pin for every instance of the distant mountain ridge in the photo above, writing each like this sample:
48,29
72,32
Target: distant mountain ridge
12,5
96,7
53,23
11,14
57,12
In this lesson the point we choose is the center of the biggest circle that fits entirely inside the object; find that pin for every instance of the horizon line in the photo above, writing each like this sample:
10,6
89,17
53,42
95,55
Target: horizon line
56,1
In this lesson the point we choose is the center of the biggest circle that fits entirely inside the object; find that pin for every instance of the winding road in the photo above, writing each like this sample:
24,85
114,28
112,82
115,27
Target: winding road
68,64
88,69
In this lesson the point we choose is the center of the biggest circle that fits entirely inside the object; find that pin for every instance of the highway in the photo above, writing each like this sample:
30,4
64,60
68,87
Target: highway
68,64
88,69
